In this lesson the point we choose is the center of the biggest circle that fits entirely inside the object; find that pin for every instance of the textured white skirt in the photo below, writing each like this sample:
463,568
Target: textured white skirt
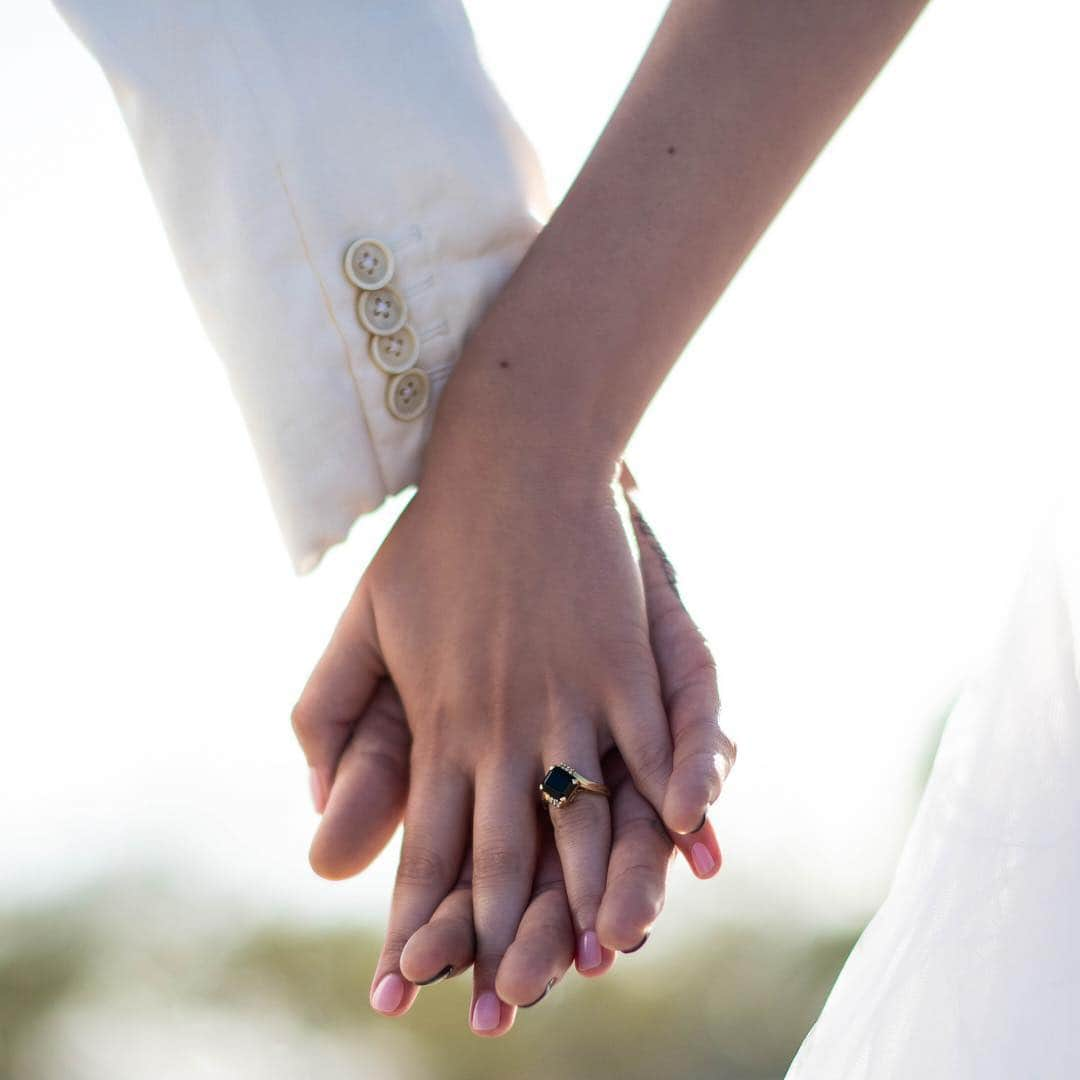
971,968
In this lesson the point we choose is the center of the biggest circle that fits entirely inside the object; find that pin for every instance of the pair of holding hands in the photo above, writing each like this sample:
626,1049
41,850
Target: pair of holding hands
509,606
506,624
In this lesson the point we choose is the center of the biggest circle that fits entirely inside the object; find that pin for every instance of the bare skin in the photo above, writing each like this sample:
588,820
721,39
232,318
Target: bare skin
372,783
506,605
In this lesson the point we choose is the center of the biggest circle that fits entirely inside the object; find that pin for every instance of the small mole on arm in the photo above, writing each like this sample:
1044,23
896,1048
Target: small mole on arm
504,363
671,149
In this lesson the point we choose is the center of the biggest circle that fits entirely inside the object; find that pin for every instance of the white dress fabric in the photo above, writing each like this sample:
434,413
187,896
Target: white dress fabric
273,134
971,968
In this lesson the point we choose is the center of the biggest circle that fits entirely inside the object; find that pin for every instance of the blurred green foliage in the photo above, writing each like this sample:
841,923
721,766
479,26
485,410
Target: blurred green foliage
41,958
735,1004
738,1007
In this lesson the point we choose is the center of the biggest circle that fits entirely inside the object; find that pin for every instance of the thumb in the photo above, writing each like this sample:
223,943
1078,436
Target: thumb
371,783
337,693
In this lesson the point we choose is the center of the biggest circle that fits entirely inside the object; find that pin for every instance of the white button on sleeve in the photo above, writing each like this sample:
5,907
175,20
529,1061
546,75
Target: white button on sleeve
395,352
369,264
407,394
382,311
279,138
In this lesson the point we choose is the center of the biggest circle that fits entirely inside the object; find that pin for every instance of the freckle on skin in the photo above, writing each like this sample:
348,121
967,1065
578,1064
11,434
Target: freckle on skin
671,149
504,363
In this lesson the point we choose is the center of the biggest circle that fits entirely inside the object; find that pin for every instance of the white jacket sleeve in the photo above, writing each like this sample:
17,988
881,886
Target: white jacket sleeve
273,136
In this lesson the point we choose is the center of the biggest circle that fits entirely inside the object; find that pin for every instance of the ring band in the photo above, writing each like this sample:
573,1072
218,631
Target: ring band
561,785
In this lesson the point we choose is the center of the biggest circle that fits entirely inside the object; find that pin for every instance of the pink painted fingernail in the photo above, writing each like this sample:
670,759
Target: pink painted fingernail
318,795
388,994
486,1012
702,859
588,953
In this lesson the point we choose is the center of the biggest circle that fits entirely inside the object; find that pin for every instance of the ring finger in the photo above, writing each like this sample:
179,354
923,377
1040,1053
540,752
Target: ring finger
583,839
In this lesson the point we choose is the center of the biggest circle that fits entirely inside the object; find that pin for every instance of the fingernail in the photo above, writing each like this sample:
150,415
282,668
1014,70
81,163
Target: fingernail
547,990
627,952
444,974
387,996
486,1012
588,954
702,859
318,795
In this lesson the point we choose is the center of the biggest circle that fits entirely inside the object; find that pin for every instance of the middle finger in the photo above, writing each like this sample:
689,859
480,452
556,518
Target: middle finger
505,840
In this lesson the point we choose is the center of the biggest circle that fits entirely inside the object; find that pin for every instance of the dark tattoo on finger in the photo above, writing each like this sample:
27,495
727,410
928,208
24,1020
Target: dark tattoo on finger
644,530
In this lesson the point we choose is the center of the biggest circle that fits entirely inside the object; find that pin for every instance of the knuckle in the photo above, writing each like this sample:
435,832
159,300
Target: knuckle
421,868
696,771
705,760
458,922
488,957
633,656
700,734
669,619
651,761
498,864
555,934
304,720
698,674
640,875
645,833
386,710
700,657
545,885
390,763
580,822
396,940
585,903
312,722
546,937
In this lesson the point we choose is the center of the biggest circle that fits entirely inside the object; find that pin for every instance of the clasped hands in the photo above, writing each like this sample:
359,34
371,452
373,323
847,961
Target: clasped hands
516,616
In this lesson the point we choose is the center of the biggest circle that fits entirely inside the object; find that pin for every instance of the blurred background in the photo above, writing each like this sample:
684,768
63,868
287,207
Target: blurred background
847,467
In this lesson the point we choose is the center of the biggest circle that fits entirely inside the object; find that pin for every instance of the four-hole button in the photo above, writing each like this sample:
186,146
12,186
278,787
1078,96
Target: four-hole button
369,264
407,394
394,346
395,352
382,311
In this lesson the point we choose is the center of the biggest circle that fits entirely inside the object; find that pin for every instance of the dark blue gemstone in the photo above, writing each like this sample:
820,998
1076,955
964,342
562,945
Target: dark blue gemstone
559,783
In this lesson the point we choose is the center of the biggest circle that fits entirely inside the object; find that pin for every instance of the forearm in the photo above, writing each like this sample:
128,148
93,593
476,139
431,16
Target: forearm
729,107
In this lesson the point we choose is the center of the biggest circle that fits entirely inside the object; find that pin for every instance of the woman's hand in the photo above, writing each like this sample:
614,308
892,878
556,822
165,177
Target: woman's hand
526,714
371,787
508,609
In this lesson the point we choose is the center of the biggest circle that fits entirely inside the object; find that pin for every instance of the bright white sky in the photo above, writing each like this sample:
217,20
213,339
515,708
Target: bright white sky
847,467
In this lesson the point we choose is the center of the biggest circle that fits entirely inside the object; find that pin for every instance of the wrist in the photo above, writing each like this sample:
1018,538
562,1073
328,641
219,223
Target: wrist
515,421
479,465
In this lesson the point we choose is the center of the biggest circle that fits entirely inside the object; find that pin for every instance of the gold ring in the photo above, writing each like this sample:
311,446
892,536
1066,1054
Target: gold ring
561,785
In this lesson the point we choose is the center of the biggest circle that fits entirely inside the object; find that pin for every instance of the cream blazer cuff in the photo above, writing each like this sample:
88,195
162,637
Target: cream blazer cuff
274,135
